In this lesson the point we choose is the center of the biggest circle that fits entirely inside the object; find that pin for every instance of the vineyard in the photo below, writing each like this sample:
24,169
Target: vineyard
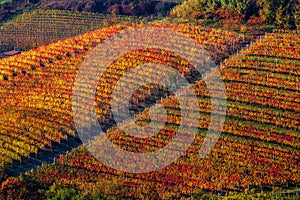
260,139
45,76
260,142
40,27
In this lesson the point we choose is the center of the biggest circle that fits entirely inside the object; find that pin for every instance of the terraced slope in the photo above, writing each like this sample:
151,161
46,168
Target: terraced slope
36,90
259,145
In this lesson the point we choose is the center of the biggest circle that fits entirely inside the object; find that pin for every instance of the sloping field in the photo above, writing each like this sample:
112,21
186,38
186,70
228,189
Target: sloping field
36,92
259,145
40,27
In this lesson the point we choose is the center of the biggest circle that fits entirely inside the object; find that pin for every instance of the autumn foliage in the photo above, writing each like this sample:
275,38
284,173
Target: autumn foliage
258,147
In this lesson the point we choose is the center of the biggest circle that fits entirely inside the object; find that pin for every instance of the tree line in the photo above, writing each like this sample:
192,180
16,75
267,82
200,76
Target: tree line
283,13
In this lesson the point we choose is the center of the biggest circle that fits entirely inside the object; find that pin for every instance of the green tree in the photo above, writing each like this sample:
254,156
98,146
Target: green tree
283,13
60,193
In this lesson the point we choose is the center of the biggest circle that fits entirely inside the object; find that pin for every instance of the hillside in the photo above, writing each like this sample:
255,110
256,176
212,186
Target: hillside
11,8
38,75
259,144
40,27
43,78
258,148
283,14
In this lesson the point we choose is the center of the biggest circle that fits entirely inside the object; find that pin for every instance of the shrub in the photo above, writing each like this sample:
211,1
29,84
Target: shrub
269,28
